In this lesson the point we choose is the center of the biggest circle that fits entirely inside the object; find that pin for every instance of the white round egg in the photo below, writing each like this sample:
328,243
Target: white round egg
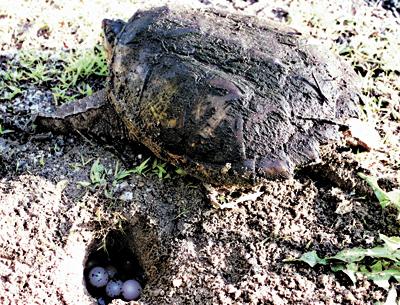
114,288
98,277
131,290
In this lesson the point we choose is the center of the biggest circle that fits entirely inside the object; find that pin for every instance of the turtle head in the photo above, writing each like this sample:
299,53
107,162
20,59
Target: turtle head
111,28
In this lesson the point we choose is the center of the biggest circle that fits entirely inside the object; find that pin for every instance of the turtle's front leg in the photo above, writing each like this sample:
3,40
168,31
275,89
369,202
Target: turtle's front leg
78,115
91,116
94,118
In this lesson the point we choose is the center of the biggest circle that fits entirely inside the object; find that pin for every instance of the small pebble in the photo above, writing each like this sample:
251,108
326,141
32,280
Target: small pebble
126,196
98,277
177,282
131,290
114,288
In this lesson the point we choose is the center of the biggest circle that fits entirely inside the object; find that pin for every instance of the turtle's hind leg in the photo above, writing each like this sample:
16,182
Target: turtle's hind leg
92,117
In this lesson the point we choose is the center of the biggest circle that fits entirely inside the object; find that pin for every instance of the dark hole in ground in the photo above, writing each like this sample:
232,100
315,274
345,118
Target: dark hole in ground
115,269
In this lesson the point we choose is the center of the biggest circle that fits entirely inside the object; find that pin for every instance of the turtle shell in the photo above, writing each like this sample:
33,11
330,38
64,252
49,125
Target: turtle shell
228,98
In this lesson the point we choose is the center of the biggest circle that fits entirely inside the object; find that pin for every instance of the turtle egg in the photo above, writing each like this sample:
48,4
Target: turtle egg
98,277
111,270
114,288
131,290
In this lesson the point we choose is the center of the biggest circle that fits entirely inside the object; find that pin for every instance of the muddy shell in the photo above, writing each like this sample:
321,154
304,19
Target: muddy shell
228,98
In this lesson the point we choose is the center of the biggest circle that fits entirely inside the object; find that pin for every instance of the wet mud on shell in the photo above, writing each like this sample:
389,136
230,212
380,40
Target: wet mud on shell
227,108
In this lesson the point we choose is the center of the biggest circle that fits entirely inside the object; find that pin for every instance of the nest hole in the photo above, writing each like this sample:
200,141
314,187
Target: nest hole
112,269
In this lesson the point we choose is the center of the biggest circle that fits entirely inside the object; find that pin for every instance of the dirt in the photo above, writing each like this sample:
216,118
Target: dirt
191,252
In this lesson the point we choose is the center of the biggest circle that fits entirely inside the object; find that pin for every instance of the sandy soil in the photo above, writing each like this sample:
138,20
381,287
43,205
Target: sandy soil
190,252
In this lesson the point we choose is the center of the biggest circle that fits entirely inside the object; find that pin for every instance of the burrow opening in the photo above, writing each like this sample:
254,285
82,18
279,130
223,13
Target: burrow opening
112,269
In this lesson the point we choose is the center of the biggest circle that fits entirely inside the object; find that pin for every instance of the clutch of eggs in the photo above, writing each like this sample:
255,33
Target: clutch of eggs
100,277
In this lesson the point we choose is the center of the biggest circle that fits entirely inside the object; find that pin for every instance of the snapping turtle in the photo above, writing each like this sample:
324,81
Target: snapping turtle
228,98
